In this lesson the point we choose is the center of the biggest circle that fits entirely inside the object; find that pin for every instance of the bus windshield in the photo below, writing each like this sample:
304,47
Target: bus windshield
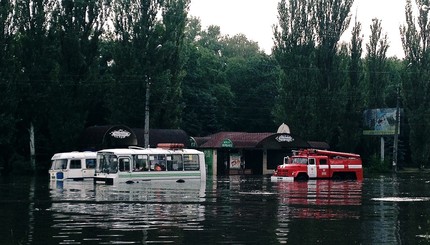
107,163
59,164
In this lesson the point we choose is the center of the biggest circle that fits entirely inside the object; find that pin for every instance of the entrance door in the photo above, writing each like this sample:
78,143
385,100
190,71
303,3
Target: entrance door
75,169
312,168
124,164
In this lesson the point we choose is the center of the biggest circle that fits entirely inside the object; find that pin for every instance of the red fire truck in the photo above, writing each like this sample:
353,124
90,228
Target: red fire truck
319,164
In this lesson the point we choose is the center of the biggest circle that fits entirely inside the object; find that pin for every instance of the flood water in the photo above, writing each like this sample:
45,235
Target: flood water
382,209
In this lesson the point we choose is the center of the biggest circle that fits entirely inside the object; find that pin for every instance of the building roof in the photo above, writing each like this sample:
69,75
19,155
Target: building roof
255,140
119,136
239,139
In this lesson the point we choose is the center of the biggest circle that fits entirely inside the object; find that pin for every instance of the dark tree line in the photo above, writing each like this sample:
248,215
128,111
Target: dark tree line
67,65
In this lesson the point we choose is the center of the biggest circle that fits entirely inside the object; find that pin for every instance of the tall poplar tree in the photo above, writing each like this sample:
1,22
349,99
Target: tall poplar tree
376,63
306,38
416,87
9,66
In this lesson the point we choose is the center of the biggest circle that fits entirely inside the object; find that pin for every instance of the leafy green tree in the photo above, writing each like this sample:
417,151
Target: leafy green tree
415,87
376,64
311,99
170,65
36,65
75,28
206,92
351,129
147,52
253,77
295,52
9,66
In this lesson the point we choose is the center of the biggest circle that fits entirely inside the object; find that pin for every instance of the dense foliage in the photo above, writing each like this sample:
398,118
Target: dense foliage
67,65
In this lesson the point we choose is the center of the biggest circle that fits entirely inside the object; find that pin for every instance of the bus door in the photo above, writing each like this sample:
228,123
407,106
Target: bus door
312,168
75,169
124,166
90,165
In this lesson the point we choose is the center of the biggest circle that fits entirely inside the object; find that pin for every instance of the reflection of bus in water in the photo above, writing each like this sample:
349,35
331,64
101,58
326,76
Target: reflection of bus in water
320,199
166,162
193,191
131,209
73,165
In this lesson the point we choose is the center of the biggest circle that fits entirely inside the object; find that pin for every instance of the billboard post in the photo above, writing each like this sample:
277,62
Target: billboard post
396,131
384,122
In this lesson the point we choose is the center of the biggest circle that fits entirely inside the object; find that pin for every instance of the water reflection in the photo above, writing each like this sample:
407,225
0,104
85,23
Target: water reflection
316,200
117,212
234,210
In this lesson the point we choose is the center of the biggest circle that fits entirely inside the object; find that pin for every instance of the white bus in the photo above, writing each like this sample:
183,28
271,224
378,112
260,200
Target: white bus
73,165
166,162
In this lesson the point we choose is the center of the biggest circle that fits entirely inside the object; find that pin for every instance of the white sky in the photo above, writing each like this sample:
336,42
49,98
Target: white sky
255,19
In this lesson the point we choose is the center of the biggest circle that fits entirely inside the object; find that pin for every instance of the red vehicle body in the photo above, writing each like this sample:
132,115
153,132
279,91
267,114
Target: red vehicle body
319,164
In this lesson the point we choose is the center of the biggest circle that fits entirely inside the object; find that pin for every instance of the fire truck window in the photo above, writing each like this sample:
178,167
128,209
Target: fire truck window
311,161
300,160
323,161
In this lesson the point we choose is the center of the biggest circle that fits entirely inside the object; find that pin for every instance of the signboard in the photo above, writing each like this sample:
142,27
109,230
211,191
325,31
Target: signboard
380,121
284,138
227,143
120,133
234,161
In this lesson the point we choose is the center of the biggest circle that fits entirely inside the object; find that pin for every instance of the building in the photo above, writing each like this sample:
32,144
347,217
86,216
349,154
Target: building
259,153
226,152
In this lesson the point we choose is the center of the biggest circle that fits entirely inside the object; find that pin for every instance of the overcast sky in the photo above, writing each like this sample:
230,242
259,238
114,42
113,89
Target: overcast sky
255,19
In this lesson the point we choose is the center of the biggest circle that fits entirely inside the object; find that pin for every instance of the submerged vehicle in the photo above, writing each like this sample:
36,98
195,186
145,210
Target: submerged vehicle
73,165
319,164
134,164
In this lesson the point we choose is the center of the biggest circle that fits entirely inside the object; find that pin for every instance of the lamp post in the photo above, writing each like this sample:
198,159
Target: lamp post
396,131
147,94
146,129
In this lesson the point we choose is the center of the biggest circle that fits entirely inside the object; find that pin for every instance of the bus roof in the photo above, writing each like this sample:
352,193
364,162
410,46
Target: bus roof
133,151
74,154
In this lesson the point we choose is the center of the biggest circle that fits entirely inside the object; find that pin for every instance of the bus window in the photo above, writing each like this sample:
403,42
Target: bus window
124,164
141,163
157,162
91,163
75,164
191,162
175,163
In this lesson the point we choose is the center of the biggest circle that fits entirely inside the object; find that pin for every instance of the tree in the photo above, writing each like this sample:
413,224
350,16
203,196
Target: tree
253,77
9,66
376,64
415,87
351,130
306,38
206,93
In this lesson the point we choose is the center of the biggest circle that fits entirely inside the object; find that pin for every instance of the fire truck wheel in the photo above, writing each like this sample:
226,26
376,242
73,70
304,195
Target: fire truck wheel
337,176
302,177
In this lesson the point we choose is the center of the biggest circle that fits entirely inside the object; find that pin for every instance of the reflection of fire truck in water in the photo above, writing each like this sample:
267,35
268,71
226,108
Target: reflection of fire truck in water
320,199
319,164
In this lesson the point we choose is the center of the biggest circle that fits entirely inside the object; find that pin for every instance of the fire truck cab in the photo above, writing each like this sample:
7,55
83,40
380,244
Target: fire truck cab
319,164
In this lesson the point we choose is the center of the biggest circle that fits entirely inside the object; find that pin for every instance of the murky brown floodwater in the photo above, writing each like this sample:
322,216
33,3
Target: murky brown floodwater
231,210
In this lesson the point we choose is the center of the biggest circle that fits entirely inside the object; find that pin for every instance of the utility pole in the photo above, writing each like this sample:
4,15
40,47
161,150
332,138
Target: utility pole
147,94
146,129
396,131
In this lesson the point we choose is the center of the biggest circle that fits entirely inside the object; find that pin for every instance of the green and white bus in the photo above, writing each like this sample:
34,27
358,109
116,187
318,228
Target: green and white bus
134,164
